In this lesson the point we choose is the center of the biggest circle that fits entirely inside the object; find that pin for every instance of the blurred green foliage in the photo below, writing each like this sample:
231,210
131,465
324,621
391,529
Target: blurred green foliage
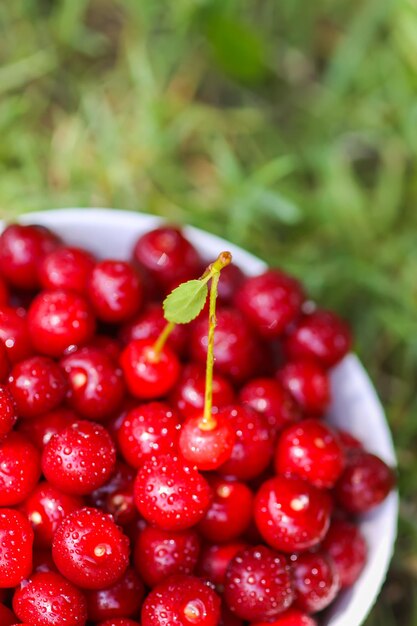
289,127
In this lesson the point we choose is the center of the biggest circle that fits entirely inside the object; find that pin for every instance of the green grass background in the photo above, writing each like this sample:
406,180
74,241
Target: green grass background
288,126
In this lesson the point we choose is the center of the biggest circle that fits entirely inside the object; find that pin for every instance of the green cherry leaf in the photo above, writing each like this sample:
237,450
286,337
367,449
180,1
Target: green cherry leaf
186,301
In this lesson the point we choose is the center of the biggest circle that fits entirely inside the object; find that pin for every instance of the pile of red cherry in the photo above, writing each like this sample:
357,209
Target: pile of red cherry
132,493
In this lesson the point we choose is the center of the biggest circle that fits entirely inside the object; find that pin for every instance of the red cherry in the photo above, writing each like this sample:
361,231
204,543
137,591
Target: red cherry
268,396
310,450
316,581
188,393
90,550
8,415
79,458
159,554
207,444
116,495
96,388
38,385
45,508
41,429
181,600
21,250
47,599
230,512
237,352
58,320
232,278
320,336
149,374
7,618
119,621
122,599
365,482
347,548
253,448
292,617
14,334
148,430
171,494
115,291
16,540
168,256
309,385
214,561
270,301
291,514
20,469
258,584
66,268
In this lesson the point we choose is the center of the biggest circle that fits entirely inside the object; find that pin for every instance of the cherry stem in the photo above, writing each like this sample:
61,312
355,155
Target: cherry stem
160,342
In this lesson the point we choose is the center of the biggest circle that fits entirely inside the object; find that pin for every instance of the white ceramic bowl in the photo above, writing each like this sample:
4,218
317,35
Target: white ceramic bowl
355,407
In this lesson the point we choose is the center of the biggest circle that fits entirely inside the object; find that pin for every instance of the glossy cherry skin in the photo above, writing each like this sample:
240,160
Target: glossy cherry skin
181,601
115,291
116,495
96,387
7,618
66,267
20,469
79,458
188,394
230,511
8,415
321,336
149,325
236,350
149,375
148,430
214,561
292,617
310,450
45,508
38,385
16,541
270,301
122,599
159,554
253,447
21,250
258,584
47,599
168,256
316,581
309,385
365,482
58,320
291,514
14,333
41,429
207,446
268,396
90,550
347,547
170,494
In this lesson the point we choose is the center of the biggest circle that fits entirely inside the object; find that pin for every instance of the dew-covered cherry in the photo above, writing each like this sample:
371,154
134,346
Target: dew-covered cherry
316,581
309,385
8,414
365,482
170,494
90,550
183,601
79,458
41,429
258,584
45,509
16,541
348,550
122,599
149,373
291,514
268,396
38,385
21,250
47,599
292,617
115,291
66,267
58,320
14,333
207,443
148,430
95,381
310,450
20,469
116,495
188,393
214,561
160,553
270,301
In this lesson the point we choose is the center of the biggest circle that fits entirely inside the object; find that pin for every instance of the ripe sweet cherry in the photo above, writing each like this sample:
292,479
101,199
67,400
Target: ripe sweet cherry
20,469
116,495
309,385
16,541
14,334
66,267
268,396
8,415
347,547
115,291
40,430
122,599
215,559
316,581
